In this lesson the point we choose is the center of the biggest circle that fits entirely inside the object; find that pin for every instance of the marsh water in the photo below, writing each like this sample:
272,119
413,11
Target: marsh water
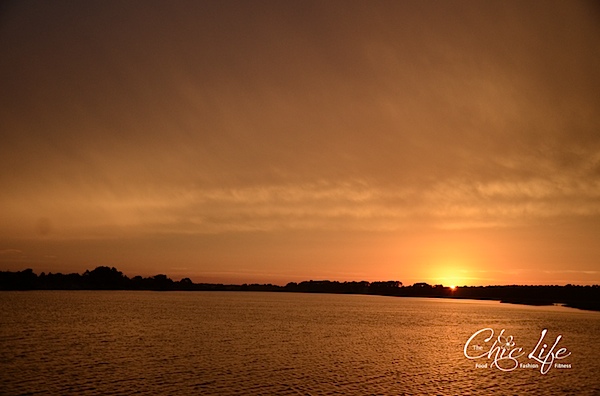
245,343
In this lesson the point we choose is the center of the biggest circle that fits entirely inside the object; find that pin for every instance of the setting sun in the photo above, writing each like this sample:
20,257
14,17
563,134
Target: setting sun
450,273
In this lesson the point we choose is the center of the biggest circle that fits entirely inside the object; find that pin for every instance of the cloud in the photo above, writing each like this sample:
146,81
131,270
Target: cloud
215,120
10,252
336,206
573,272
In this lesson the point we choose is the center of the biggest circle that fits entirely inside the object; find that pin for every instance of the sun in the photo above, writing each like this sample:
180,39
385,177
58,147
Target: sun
450,277
449,262
450,274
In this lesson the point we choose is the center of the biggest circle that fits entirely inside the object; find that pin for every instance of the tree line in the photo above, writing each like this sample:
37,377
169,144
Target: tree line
109,278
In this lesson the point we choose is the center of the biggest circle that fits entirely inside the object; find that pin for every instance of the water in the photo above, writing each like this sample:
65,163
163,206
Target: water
230,343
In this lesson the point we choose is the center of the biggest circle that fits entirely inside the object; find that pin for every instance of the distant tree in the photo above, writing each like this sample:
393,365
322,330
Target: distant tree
137,283
105,278
22,280
388,284
185,284
389,288
161,282
422,285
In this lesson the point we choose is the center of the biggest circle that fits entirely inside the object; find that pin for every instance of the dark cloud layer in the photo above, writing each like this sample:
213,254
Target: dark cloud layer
145,120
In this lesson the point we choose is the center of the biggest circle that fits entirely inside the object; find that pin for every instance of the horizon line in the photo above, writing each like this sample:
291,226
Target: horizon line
401,284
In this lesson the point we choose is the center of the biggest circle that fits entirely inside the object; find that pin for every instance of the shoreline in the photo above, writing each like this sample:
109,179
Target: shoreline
580,305
105,278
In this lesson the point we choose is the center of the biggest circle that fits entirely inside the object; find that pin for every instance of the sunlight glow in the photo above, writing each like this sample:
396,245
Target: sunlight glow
450,274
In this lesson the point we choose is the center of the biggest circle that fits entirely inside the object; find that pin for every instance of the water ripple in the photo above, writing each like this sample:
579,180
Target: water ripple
138,343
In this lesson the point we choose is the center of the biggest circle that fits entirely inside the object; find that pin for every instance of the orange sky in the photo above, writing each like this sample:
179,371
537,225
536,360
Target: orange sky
268,141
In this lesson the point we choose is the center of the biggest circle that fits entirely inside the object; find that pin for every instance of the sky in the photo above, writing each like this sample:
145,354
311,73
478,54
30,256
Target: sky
452,142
